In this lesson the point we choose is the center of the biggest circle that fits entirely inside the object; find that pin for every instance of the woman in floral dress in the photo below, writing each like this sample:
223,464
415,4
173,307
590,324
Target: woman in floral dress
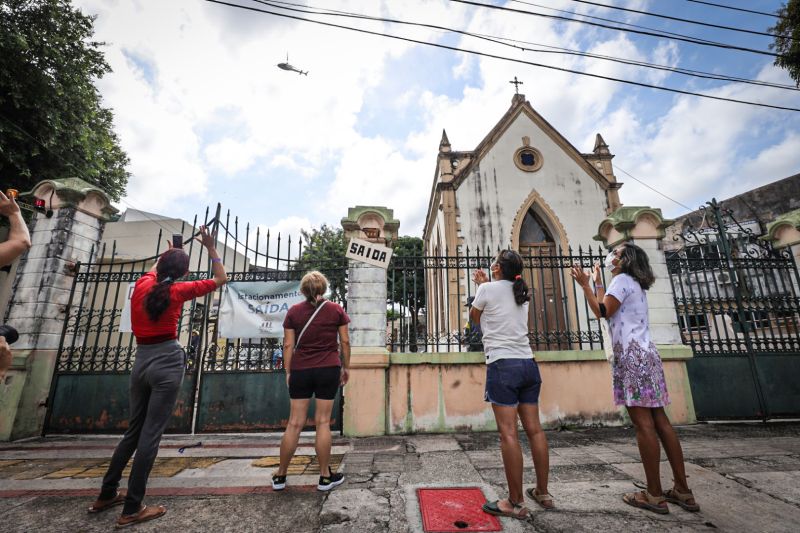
638,376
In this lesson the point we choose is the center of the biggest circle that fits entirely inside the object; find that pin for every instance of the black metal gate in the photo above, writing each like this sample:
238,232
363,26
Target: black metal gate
230,384
738,306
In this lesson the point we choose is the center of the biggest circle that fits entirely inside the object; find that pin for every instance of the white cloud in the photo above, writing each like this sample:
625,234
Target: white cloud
199,102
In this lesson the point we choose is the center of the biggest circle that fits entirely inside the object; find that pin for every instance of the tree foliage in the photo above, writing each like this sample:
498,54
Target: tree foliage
406,283
52,123
323,250
787,39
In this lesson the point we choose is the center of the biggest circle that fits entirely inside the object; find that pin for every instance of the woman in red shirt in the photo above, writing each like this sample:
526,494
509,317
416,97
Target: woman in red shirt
314,334
156,377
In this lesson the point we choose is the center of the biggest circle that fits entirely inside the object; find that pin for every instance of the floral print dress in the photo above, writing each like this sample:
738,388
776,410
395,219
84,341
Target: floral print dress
637,373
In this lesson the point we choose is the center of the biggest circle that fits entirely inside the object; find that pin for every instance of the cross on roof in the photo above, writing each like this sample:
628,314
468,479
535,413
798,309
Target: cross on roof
516,83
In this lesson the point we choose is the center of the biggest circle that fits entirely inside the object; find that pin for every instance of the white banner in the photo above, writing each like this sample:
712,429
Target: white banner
256,309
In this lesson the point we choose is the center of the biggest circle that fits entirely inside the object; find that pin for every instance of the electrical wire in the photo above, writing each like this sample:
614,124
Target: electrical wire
617,167
506,42
617,28
723,6
614,21
494,56
668,17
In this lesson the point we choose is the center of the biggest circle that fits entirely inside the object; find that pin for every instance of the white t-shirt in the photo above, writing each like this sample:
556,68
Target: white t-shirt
504,323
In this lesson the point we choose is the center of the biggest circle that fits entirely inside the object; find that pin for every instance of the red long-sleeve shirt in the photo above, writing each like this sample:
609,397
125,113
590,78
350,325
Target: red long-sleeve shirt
166,327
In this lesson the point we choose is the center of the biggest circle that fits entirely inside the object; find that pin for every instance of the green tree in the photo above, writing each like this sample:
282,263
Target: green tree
406,282
323,250
787,39
52,123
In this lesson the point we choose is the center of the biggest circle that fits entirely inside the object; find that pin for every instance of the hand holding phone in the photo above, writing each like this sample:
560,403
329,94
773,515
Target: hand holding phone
177,240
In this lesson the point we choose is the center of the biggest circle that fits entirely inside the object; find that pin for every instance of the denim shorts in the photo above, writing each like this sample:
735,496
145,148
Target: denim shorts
510,382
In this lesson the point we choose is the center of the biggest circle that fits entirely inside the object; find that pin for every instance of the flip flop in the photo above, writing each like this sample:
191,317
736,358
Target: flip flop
541,499
493,508
145,514
655,504
682,499
103,505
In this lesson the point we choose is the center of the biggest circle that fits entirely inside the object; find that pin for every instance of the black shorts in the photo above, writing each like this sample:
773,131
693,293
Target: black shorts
322,383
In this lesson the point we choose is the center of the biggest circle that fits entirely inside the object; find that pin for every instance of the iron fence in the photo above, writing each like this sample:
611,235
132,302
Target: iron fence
429,297
737,301
91,340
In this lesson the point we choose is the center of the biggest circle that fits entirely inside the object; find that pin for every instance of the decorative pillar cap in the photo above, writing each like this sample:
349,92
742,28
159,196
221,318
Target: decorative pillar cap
77,193
371,223
632,222
785,230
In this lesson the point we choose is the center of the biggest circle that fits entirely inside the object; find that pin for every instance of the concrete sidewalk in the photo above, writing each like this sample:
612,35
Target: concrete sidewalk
746,478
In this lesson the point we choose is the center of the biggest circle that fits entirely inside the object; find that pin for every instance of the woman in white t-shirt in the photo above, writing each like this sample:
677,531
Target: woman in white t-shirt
512,378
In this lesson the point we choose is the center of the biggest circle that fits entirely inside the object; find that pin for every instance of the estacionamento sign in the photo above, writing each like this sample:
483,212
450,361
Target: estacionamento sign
256,309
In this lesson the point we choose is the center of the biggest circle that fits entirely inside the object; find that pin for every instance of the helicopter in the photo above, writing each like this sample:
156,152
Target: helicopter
287,66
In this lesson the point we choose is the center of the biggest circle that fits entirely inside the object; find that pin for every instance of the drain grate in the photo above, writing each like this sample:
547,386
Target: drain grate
447,510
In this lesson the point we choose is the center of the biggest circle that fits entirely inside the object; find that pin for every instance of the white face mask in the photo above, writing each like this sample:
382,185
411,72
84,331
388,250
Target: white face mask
609,261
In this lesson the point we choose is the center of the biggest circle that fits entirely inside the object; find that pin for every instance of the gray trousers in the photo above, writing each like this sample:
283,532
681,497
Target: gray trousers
155,381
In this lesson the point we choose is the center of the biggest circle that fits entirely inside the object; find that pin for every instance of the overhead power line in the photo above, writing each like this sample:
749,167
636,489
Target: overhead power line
495,56
505,41
669,17
723,6
617,167
692,40
614,21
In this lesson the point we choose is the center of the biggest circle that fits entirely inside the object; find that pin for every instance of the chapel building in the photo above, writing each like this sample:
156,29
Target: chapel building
524,186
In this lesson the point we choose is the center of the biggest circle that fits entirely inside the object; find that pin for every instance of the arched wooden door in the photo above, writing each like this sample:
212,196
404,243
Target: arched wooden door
547,320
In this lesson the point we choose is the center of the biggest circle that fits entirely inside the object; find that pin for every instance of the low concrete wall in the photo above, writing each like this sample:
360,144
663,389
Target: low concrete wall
434,393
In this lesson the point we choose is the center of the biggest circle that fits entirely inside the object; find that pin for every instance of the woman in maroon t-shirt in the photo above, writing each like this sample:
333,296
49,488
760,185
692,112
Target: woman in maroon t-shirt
156,377
315,332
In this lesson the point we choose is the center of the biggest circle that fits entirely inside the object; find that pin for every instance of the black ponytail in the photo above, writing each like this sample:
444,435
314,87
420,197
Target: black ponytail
510,263
157,300
172,264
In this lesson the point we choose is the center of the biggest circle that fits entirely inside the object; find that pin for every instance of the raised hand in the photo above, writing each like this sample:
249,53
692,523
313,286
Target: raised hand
579,275
8,206
479,276
205,238
597,273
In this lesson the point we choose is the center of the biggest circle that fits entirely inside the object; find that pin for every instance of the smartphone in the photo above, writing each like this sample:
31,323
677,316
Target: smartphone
177,240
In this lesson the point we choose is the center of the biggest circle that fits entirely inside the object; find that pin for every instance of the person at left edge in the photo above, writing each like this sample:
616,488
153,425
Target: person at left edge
17,243
156,377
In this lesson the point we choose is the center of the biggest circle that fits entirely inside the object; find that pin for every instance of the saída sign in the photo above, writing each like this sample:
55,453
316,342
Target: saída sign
369,252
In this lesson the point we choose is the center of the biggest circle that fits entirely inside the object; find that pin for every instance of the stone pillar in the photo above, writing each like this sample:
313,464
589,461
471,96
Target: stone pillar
366,394
784,233
41,291
645,226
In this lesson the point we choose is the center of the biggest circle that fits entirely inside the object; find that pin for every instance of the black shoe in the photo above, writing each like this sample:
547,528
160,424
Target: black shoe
329,482
278,482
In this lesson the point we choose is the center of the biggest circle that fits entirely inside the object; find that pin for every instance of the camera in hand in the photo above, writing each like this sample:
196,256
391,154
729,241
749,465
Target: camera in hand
9,333
177,240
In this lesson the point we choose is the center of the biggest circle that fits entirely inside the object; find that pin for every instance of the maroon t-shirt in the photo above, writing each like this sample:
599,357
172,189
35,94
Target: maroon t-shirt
319,346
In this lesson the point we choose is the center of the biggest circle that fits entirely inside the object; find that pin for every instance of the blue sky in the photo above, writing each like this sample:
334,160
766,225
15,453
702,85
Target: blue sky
206,116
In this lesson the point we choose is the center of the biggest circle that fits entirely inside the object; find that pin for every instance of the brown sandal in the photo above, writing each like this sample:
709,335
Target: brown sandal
103,505
145,514
541,499
656,504
682,499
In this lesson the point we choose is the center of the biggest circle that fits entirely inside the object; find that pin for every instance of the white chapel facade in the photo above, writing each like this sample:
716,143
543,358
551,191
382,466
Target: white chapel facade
524,186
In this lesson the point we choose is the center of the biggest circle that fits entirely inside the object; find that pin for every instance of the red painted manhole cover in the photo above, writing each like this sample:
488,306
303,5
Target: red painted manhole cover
445,510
